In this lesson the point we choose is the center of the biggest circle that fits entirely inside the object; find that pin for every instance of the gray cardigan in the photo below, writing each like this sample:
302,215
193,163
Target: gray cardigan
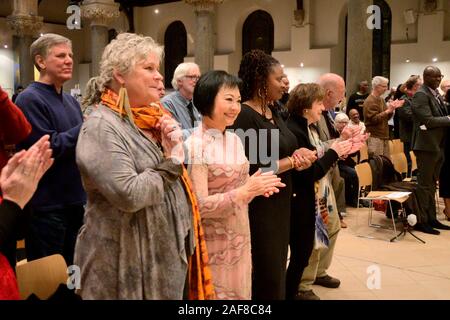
132,243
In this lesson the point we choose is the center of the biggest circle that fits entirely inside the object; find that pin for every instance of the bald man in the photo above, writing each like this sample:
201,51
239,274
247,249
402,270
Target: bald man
430,120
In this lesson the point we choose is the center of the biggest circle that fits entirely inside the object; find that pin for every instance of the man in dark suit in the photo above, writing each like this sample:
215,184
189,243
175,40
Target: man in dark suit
430,118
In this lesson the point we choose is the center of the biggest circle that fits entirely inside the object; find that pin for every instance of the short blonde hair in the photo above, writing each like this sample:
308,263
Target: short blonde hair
42,46
120,55
181,70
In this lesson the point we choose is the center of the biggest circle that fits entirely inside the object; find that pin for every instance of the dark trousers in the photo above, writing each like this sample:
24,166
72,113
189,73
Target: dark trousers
406,150
351,184
54,232
301,244
429,166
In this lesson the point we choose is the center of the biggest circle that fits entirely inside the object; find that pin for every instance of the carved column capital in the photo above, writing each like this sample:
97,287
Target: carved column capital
203,5
25,25
100,12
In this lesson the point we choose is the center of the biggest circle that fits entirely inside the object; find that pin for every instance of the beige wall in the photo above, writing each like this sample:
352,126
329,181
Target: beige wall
319,44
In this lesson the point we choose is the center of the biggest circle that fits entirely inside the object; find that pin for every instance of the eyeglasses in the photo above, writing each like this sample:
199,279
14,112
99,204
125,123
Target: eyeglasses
192,77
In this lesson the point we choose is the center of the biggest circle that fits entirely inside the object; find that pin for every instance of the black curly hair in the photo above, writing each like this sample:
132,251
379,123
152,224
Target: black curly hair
254,70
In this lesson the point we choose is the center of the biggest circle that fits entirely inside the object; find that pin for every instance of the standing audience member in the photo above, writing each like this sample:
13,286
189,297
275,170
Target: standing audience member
14,127
445,86
334,87
161,89
377,115
179,103
219,172
347,167
138,235
306,106
431,120
275,147
444,179
356,100
282,110
18,182
355,121
405,116
58,202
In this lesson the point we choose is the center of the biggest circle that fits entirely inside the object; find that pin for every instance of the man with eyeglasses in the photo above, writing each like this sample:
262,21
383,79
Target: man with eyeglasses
430,120
376,116
179,102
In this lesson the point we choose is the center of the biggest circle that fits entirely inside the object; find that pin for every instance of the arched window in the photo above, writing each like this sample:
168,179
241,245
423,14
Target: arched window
381,49
257,32
175,49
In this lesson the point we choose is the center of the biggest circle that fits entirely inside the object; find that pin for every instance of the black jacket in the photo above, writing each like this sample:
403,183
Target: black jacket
405,120
427,112
303,196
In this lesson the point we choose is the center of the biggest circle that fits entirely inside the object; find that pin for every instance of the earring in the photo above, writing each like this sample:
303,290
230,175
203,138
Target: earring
124,103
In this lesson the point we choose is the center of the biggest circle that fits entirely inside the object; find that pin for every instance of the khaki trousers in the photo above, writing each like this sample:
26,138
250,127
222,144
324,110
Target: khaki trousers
320,259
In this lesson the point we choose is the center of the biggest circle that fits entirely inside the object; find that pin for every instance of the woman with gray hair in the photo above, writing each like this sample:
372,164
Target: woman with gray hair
139,234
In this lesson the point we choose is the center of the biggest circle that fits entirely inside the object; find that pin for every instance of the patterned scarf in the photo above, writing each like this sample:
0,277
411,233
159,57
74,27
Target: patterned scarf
146,118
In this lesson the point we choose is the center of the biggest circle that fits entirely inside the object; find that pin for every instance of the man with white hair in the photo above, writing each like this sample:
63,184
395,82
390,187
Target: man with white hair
179,102
377,115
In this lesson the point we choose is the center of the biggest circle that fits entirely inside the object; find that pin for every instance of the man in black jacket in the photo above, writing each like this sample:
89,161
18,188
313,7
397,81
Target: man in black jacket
405,116
430,118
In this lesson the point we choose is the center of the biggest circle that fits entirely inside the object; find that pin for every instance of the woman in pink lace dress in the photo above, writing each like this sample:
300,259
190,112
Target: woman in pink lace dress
219,171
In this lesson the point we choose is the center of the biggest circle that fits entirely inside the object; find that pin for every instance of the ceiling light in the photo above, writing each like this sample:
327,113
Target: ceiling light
408,61
5,46
156,11
435,59
301,65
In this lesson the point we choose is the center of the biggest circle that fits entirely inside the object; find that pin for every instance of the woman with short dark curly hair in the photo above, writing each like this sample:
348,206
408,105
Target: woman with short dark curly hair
268,143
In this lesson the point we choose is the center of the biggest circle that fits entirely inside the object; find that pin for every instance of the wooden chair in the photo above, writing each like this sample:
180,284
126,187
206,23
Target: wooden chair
364,173
397,146
363,153
42,276
400,163
413,161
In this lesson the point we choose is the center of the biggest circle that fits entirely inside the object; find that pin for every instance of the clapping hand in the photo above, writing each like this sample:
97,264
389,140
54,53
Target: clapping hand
304,158
21,175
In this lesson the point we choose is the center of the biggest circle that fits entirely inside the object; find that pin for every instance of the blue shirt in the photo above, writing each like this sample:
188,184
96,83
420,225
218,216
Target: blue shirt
58,115
177,105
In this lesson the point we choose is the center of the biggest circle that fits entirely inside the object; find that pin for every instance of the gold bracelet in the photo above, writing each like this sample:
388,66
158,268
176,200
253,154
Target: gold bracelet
292,161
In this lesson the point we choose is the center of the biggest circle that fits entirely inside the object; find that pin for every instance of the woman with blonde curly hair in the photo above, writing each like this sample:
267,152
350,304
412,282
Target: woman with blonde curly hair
139,233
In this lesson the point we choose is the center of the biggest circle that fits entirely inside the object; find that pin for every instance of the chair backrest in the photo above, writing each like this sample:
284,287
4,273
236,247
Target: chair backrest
364,173
363,153
413,161
42,276
397,146
400,163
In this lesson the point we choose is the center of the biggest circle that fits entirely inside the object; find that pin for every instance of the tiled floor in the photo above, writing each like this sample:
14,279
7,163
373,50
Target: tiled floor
407,268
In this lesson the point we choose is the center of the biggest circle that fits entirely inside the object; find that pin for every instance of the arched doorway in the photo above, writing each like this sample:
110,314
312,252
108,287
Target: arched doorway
175,49
257,32
381,49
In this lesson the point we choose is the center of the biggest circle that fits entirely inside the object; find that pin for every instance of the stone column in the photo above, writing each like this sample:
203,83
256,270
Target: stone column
99,13
25,24
359,44
205,38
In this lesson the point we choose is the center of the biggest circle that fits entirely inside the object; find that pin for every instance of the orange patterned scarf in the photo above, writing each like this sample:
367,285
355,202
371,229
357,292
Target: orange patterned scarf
146,118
